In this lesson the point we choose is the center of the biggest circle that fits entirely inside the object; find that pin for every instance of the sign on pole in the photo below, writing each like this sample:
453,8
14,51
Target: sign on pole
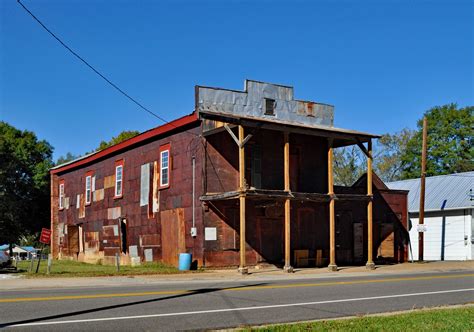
421,228
45,236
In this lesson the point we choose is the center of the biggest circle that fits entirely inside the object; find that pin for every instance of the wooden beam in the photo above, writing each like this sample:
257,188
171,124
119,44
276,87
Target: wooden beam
231,133
363,148
286,160
240,143
242,267
277,195
421,217
370,262
332,218
296,128
220,196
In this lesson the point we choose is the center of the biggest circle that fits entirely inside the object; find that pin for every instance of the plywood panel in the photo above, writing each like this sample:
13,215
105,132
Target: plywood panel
73,239
172,235
387,247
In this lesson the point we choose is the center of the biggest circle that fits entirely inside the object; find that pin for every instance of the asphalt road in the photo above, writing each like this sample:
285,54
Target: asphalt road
210,305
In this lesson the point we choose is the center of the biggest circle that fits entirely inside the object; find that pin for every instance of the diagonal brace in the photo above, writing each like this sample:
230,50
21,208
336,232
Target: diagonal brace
363,148
236,140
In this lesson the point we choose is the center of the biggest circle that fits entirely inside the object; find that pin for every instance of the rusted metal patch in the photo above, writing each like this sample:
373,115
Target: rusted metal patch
172,235
109,181
110,231
91,243
111,251
114,213
156,186
150,240
98,195
66,203
82,206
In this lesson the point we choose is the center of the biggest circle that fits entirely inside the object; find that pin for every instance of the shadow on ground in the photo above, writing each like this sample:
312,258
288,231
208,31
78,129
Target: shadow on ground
88,311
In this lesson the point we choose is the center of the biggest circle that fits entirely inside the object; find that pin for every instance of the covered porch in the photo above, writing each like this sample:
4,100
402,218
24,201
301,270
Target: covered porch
292,211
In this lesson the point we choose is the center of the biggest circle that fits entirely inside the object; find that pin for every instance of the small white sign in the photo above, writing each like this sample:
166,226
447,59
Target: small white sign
421,228
210,233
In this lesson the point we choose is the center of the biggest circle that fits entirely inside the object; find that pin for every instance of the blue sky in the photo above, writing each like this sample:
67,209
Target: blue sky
381,63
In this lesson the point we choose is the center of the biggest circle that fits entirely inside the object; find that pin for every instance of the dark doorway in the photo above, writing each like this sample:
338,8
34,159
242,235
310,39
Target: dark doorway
270,240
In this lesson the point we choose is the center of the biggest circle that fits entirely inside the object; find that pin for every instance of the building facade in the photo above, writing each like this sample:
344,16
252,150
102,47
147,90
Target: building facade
448,222
246,179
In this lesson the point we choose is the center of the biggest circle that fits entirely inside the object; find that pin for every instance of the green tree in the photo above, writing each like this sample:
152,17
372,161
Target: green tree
350,162
24,183
67,158
348,165
124,135
450,143
388,154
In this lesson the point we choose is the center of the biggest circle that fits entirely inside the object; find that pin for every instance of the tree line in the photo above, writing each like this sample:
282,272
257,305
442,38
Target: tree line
25,162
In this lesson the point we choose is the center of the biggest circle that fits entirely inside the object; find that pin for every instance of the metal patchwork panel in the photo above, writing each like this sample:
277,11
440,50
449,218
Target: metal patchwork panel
252,101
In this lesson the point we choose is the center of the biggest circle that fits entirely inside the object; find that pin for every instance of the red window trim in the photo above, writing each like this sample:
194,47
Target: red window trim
118,163
61,182
91,174
165,147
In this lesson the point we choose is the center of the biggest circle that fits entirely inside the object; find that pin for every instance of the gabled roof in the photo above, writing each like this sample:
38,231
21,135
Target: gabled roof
152,133
452,188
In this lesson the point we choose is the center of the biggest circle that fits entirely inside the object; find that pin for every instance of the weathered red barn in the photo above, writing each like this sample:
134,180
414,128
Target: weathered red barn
246,179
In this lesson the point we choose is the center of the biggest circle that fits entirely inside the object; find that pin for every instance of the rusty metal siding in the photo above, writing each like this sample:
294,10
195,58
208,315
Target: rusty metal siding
143,226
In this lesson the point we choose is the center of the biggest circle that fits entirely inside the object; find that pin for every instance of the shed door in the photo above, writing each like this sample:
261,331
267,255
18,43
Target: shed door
172,235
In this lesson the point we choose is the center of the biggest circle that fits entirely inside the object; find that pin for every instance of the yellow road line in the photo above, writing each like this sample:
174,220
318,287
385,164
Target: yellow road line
179,292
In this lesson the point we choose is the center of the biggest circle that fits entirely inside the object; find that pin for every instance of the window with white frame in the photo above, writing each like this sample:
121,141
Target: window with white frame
164,168
88,189
61,195
118,180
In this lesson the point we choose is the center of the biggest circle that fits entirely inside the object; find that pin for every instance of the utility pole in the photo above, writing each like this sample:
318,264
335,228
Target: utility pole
422,191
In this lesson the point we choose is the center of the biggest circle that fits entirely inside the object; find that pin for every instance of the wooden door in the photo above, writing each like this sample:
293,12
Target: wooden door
172,235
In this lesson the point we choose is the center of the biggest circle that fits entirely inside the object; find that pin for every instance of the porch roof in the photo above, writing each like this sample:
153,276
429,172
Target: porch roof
341,137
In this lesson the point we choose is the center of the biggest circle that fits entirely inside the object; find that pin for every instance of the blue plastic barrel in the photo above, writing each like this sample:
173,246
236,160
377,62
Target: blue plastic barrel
184,262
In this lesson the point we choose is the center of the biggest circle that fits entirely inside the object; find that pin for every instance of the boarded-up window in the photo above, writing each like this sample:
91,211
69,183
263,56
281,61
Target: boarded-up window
144,184
61,194
269,106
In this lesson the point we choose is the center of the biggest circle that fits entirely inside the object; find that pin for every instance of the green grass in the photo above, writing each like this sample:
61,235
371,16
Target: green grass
454,319
66,268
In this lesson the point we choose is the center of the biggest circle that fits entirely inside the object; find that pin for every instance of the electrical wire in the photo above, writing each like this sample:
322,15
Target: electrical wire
115,86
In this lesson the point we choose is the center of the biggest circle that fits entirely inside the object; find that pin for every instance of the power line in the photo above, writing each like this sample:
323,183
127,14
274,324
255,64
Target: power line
92,68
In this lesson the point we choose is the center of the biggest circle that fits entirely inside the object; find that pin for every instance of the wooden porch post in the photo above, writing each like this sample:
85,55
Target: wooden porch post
242,267
332,220
370,263
286,153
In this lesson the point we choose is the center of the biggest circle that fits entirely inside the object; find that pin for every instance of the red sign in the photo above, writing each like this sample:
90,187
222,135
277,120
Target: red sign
45,236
